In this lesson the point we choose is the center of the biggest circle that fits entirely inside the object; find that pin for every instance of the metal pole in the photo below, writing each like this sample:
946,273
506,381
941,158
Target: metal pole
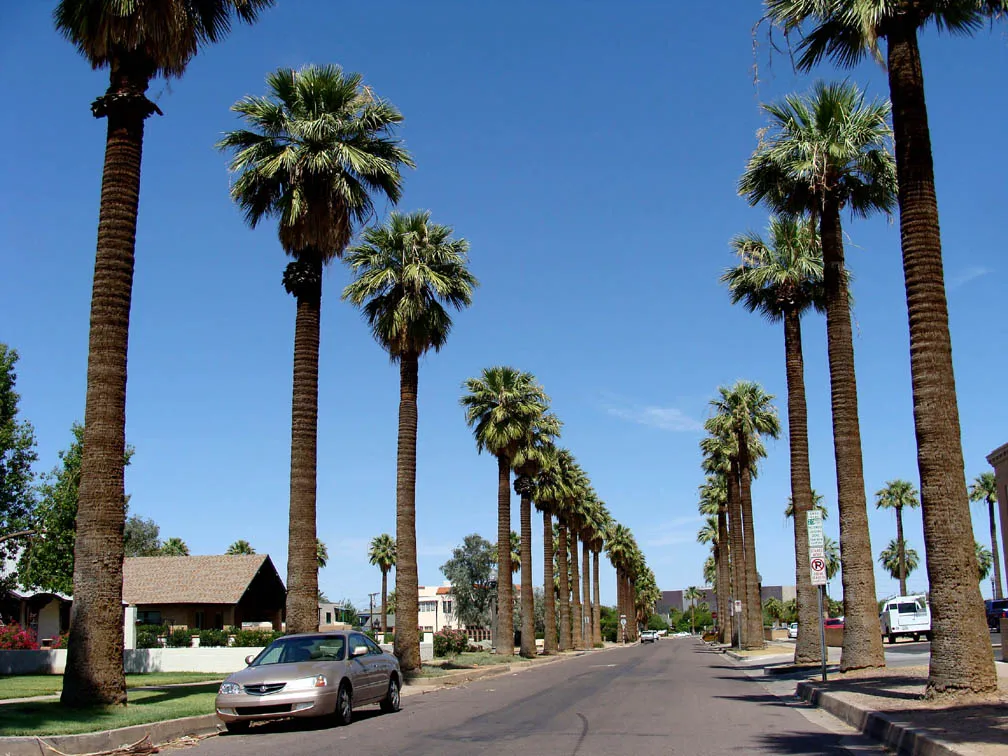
822,633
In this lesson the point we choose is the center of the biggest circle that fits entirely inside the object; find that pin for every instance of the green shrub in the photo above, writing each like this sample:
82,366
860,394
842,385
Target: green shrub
255,638
146,638
656,622
179,638
448,642
209,638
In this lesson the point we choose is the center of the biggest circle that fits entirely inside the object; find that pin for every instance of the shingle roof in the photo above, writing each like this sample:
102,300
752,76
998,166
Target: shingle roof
189,579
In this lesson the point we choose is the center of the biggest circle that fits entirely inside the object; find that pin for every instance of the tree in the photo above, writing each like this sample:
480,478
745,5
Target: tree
714,500
822,153
984,488
745,412
174,547
321,553
17,455
692,594
391,604
548,496
710,572
774,611
384,553
469,572
897,495
847,31
817,504
501,406
240,547
318,151
408,274
136,41
984,561
141,537
781,279
899,560
832,557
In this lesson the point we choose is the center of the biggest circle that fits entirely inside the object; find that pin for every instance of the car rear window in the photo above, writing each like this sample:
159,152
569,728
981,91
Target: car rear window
908,607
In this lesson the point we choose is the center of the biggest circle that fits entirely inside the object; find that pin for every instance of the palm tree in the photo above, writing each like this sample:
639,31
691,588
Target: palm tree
501,406
383,553
137,42
710,572
817,504
407,275
781,280
709,533
321,553
847,30
832,557
984,488
899,560
619,548
822,153
574,483
693,594
896,495
714,501
548,496
597,532
240,547
174,547
984,561
745,412
318,151
531,457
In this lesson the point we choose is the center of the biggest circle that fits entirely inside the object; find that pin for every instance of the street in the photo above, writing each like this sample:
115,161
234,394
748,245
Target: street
674,696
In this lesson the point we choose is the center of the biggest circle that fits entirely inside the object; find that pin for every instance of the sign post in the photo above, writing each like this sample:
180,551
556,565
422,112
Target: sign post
622,621
738,615
817,571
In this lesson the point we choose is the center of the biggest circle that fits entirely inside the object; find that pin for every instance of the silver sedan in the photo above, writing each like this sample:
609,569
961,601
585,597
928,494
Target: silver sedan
310,675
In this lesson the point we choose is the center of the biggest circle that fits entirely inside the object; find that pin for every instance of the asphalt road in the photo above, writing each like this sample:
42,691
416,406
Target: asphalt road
671,697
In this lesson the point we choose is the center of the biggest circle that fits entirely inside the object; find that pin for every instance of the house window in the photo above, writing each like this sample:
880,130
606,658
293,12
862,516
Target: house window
149,617
328,619
428,606
447,607
200,619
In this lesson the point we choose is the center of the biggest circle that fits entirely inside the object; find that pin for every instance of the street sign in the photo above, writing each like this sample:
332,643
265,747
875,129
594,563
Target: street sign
817,570
738,606
622,620
813,524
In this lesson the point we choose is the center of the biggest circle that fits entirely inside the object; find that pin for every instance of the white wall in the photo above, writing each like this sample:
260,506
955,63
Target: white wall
135,660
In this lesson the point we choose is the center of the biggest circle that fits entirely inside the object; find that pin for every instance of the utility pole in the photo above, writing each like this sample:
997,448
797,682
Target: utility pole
371,598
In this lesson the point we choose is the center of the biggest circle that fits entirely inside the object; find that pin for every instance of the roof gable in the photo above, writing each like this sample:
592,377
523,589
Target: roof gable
219,579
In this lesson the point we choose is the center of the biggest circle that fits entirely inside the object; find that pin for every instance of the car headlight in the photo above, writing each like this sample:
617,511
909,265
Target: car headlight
229,689
307,683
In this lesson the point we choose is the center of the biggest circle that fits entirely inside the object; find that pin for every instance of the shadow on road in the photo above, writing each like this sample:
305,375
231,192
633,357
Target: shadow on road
819,743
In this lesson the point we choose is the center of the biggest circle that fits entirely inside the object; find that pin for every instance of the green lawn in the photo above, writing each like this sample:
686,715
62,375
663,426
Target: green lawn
50,718
445,665
25,686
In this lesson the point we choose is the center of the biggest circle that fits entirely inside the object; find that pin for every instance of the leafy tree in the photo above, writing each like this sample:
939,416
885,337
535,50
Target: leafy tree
899,560
317,153
897,495
469,572
391,604
823,153
136,41
141,537
657,622
984,561
984,488
321,553
174,547
609,623
383,553
241,547
773,611
847,31
408,274
17,455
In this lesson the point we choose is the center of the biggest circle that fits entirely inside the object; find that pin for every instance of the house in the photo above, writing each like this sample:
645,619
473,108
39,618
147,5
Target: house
335,616
435,610
46,614
203,592
998,459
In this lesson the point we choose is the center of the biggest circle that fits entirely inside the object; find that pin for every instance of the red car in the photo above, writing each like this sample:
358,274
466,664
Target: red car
836,622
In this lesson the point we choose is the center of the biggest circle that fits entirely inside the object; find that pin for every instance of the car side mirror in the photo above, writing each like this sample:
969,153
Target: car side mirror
359,651
248,659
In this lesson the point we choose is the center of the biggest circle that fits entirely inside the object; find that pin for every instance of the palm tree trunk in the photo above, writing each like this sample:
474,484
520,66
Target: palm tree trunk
960,649
900,551
724,586
549,597
998,592
596,606
577,618
565,608
407,634
586,625
754,616
738,554
384,602
807,648
505,601
302,549
528,641
862,641
94,666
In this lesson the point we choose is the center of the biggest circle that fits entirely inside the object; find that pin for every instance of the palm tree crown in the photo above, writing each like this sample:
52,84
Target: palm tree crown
501,406
745,408
382,552
241,546
889,558
897,494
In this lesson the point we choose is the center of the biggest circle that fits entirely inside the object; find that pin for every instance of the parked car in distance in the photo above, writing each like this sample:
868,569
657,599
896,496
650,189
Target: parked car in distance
905,616
310,675
836,622
649,636
996,609
792,630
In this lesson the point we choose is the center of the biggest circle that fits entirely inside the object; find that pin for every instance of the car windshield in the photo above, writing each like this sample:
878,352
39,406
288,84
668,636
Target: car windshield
302,648
910,607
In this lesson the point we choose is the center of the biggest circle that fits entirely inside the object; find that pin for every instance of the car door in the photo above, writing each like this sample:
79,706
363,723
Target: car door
382,667
363,675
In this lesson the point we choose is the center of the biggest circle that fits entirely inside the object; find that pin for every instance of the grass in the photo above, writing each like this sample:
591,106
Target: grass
25,686
467,660
50,718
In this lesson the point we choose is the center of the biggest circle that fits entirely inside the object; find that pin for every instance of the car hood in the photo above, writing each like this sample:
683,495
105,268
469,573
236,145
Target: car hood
275,673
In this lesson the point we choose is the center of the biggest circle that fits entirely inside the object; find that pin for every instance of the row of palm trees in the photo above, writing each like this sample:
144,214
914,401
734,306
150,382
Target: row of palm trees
509,413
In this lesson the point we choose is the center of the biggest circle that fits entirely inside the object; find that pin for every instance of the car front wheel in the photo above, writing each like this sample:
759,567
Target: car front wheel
344,705
391,702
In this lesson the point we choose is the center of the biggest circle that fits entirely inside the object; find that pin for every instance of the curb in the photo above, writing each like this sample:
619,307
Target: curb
107,740
902,738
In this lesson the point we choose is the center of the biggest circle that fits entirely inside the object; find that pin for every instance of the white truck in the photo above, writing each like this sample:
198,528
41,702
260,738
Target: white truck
907,616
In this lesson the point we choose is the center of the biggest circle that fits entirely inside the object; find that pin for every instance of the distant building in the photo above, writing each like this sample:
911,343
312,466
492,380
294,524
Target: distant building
998,459
675,600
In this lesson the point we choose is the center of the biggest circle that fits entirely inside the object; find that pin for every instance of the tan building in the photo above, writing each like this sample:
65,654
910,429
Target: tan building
998,459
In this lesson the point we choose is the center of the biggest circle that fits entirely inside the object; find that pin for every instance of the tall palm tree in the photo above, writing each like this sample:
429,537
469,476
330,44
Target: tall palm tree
781,279
596,541
174,547
575,484
984,488
822,153
384,554
846,31
619,544
832,552
321,553
240,547
714,501
548,496
817,504
589,512
501,406
710,570
532,455
984,561
899,560
693,594
745,411
137,42
317,151
897,495
407,274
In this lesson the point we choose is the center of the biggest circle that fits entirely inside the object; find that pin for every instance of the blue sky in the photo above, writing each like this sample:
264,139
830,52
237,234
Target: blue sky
590,158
